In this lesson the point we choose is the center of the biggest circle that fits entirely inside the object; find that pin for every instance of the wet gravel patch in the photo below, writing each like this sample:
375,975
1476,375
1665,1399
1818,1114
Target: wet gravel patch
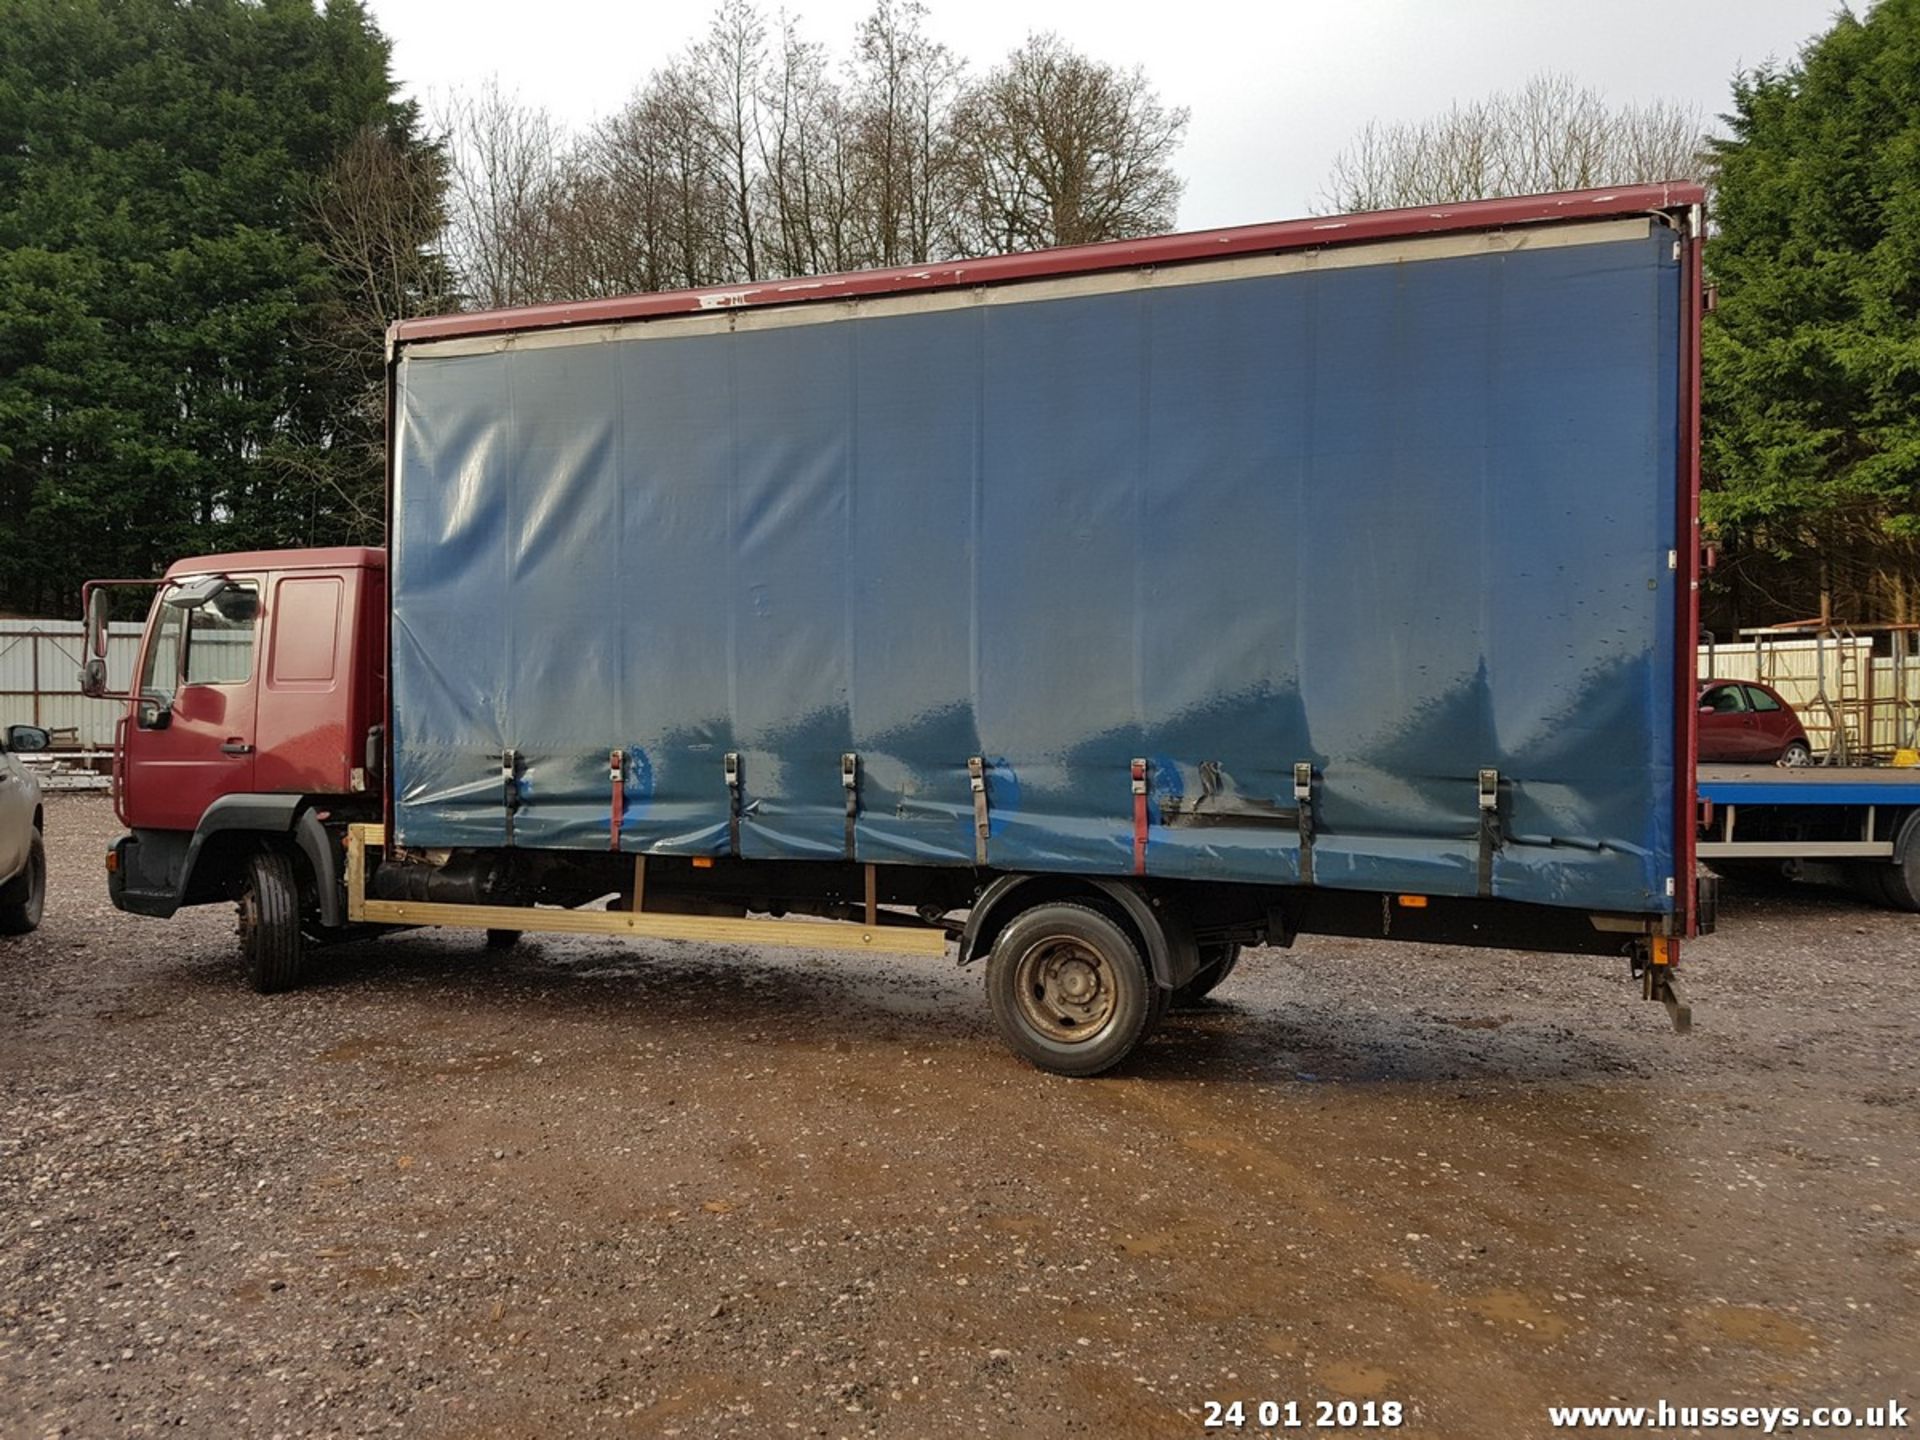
601,1187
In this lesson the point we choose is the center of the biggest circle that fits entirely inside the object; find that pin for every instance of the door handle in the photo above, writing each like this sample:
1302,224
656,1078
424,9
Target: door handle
236,747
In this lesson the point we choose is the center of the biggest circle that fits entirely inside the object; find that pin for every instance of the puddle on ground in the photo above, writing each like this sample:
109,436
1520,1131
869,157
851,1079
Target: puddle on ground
1750,1325
1357,1379
1405,1285
1511,1307
361,1047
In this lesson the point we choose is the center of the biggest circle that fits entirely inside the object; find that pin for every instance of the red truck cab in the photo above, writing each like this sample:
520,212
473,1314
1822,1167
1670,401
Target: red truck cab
253,721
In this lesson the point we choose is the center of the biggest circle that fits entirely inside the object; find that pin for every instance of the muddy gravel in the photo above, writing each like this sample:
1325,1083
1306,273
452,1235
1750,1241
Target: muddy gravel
596,1187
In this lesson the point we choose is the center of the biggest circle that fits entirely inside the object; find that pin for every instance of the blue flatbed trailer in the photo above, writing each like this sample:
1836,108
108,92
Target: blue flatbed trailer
1857,826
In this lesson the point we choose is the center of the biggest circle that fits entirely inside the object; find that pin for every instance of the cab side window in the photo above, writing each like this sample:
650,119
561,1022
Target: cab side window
1761,700
220,636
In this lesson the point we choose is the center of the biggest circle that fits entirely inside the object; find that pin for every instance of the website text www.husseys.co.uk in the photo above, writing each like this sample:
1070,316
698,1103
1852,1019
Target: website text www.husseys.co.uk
1768,1419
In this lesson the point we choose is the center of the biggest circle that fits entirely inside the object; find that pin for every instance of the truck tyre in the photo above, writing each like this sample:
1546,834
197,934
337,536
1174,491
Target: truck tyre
270,937
502,939
1216,963
1899,883
1157,1012
25,896
1069,989
1162,996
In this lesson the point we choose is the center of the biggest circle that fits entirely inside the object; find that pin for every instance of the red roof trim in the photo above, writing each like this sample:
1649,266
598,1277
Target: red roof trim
333,557
1075,260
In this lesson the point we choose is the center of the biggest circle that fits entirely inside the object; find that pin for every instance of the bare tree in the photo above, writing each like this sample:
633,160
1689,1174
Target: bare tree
731,63
377,218
808,159
905,87
507,166
1060,149
750,156
694,177
648,191
1551,134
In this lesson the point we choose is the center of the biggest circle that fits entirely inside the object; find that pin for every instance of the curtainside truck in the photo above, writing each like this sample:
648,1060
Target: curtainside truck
1092,613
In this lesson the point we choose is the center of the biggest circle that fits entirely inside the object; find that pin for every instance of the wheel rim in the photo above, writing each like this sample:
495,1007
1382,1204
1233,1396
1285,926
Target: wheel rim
1065,990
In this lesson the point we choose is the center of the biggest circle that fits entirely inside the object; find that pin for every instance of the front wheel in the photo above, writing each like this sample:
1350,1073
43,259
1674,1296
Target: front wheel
270,937
25,896
1069,989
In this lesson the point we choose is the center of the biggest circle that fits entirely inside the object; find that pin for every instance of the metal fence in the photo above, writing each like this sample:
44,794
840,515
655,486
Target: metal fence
40,679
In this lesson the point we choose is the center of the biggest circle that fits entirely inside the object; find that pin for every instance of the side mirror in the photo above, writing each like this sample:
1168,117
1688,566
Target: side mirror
93,677
28,739
99,612
154,714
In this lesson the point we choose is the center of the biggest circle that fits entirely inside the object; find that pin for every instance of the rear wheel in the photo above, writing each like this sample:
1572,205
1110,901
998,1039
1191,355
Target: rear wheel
1069,989
1899,883
1869,880
25,896
270,938
1216,963
1797,753
1162,1002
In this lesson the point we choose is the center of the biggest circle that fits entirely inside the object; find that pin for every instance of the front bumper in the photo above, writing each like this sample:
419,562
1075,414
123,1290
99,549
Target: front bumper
130,885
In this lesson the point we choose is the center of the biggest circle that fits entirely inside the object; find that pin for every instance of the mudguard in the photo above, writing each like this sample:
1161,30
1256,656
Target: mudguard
169,880
1172,954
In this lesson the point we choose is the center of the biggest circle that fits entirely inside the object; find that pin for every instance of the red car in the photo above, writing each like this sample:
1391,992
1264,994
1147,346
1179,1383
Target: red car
1743,723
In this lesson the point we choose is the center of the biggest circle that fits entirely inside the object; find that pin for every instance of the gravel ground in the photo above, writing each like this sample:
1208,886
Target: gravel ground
603,1188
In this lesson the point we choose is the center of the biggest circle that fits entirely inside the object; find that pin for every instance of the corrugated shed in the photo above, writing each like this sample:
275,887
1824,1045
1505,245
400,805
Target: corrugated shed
39,679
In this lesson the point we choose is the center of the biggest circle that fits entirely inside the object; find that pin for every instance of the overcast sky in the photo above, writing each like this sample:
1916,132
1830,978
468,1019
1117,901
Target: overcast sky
1276,88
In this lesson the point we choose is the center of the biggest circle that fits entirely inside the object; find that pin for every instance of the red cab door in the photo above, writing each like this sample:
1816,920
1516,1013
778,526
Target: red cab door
191,737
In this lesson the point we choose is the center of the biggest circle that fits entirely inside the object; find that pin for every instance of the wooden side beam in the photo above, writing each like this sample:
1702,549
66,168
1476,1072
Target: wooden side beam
710,929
